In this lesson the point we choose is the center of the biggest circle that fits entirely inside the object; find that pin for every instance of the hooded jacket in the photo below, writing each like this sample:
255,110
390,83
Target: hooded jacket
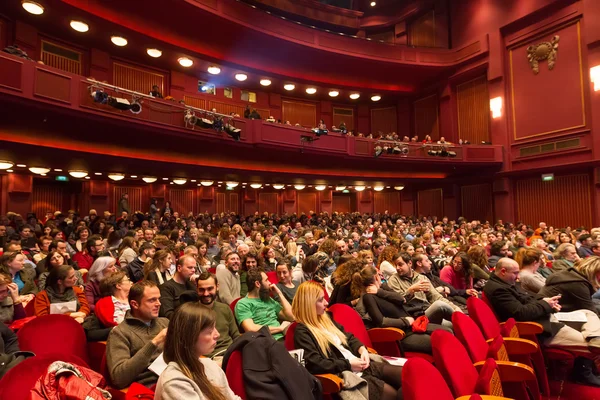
575,289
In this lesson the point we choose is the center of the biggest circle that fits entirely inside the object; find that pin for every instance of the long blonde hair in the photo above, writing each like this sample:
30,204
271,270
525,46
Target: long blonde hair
590,268
305,311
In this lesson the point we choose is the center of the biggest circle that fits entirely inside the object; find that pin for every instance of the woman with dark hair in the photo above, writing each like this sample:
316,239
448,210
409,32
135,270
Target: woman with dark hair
127,251
60,288
83,233
22,274
192,334
342,283
459,274
157,270
267,260
11,307
53,260
328,349
166,209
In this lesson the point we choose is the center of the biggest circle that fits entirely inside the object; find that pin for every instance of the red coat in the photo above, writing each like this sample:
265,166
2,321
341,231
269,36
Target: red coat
84,260
64,381
105,311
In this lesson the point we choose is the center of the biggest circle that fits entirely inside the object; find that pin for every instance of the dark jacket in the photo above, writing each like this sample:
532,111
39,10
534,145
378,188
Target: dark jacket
123,206
509,301
170,291
319,363
269,372
135,270
341,294
575,289
584,251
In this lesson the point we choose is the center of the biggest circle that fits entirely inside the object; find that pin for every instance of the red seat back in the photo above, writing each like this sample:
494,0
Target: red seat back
467,331
54,333
212,270
484,317
289,337
232,305
420,380
454,363
18,382
272,275
235,375
351,321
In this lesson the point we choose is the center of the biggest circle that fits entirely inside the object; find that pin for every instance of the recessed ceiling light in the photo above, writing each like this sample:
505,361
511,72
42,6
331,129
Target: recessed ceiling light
299,187
98,173
118,41
376,97
265,82
116,176
378,188
79,26
39,170
32,7
6,164
311,90
180,181
185,62
133,176
278,186
321,187
241,77
87,177
289,86
206,183
373,4
232,184
359,188
334,93
154,53
165,179
399,187
57,170
354,96
21,165
214,70
149,179
9,170
78,173
255,185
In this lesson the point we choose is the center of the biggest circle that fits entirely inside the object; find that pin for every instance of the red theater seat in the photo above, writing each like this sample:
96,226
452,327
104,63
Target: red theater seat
18,382
54,334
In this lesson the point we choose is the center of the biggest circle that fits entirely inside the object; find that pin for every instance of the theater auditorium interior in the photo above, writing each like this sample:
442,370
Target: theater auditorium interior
297,199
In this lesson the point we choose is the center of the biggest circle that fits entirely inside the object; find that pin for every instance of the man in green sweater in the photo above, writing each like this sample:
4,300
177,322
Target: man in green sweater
208,290
137,341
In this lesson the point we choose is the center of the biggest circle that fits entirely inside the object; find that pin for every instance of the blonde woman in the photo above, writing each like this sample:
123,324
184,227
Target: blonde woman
328,349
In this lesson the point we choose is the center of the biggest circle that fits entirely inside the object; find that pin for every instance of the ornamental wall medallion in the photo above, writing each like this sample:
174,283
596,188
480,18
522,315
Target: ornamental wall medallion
543,51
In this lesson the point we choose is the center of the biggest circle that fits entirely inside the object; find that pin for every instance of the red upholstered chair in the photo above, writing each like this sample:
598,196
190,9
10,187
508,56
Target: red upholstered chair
54,333
272,275
463,378
421,381
235,375
117,394
499,349
18,382
483,315
233,303
212,270
383,340
29,309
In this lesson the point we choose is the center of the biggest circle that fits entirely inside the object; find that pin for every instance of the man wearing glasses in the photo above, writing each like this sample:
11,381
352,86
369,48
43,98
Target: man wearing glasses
93,248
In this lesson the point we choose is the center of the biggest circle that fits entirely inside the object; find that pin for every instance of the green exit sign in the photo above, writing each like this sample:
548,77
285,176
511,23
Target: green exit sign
62,178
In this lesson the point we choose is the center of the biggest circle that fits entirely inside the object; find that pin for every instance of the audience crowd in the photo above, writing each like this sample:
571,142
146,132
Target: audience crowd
187,286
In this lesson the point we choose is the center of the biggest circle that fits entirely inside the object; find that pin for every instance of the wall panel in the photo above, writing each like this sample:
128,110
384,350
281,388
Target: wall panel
346,115
267,202
46,198
421,31
137,78
341,203
298,112
473,110
307,202
61,57
426,119
221,207
182,201
430,203
384,120
135,198
565,201
476,202
386,201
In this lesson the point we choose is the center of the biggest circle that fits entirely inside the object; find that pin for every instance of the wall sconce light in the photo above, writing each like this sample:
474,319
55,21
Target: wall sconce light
299,187
179,181
149,179
595,77
232,184
207,183
255,185
278,186
359,188
320,187
496,107
116,177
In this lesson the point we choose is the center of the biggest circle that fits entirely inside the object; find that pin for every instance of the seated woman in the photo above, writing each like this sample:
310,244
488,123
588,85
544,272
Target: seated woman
128,251
342,282
459,275
267,260
192,334
53,260
285,284
529,260
110,309
381,308
60,288
479,265
11,308
22,274
328,349
386,262
101,268
576,285
157,270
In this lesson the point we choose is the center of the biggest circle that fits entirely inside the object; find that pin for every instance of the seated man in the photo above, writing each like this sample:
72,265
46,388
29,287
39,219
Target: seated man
181,282
419,293
230,279
135,269
423,265
509,301
137,341
208,292
258,308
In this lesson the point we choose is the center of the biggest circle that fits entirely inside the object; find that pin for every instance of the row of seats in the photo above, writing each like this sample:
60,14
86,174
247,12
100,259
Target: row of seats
485,358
